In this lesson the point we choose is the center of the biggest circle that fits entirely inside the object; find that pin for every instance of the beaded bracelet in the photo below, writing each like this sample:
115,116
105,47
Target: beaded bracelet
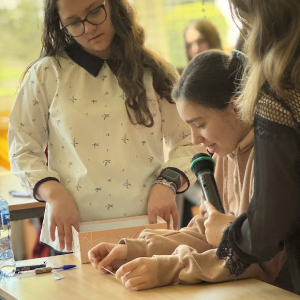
166,183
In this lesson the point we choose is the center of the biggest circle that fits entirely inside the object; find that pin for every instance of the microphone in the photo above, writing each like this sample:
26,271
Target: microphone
203,167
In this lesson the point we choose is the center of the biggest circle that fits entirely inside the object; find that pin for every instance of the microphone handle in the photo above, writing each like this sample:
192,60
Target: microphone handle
210,189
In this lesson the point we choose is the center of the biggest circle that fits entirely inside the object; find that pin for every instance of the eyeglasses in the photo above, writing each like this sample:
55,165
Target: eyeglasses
95,17
239,21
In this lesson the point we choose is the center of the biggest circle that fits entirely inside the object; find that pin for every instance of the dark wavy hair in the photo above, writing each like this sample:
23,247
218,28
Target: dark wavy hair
128,52
211,79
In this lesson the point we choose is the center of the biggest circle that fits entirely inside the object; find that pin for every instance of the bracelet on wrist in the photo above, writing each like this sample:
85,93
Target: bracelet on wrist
171,185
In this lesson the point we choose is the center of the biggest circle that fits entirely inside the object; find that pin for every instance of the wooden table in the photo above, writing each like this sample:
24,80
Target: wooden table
20,208
84,282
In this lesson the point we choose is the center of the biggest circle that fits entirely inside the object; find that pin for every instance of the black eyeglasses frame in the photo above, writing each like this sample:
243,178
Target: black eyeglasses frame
65,29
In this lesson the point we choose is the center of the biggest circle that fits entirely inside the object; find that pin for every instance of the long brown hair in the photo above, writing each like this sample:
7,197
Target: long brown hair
129,53
209,32
272,46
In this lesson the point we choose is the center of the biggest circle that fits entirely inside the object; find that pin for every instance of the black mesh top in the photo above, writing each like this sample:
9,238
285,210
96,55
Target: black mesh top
272,220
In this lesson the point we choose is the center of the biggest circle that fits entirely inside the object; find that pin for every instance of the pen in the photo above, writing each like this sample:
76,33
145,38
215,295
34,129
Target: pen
65,267
19,194
44,270
28,268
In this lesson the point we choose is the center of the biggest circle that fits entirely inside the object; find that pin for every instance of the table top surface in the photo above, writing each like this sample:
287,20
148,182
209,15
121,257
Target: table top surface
84,282
9,182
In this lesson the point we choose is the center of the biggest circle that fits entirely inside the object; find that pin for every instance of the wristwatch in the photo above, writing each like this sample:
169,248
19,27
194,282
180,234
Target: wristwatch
171,176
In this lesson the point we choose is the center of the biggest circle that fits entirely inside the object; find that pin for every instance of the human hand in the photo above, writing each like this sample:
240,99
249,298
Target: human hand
63,212
215,224
139,274
108,256
161,202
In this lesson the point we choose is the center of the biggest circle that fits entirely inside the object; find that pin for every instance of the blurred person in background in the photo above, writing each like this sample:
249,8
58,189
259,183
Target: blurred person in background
201,36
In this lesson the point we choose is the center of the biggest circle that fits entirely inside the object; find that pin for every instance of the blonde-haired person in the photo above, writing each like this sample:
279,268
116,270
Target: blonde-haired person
271,101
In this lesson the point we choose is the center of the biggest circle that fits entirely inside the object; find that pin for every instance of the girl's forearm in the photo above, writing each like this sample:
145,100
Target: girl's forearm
48,190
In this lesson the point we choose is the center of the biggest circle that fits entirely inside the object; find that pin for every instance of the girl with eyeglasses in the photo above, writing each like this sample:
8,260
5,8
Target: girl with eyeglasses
271,102
205,97
101,102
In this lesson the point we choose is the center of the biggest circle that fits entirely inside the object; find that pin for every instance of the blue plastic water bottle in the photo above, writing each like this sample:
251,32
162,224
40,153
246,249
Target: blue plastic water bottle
7,260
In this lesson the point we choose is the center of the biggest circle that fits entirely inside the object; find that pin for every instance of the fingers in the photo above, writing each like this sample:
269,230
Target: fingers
167,219
140,287
93,255
76,225
52,231
65,236
152,217
209,207
61,237
106,261
138,274
107,255
175,219
125,269
68,237
94,259
135,283
206,225
96,254
111,256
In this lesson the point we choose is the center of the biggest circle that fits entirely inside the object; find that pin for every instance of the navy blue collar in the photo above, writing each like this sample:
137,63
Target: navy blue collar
89,62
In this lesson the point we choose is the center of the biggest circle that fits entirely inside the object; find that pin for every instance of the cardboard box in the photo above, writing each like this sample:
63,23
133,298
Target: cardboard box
110,231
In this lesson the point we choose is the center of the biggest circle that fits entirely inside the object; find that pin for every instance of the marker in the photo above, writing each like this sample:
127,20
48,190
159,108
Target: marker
44,270
28,268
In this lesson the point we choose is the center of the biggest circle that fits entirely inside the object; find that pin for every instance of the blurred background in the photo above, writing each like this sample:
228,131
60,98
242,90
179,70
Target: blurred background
166,24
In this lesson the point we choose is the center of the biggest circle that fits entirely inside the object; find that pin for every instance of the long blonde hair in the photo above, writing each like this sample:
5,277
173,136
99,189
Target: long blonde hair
272,46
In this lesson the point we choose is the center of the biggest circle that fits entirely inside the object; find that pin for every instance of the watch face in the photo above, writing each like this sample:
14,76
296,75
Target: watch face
172,176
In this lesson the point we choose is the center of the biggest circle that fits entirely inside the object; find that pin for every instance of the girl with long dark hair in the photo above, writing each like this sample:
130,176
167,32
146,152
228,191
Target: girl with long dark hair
205,97
101,102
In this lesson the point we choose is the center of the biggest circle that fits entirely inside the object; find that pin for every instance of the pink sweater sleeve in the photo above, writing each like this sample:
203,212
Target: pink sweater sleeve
185,256
186,265
164,241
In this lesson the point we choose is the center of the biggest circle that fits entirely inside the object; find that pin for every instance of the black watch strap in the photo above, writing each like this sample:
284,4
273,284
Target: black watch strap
171,176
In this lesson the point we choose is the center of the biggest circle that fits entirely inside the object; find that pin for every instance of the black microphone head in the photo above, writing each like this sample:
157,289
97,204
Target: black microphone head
201,162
